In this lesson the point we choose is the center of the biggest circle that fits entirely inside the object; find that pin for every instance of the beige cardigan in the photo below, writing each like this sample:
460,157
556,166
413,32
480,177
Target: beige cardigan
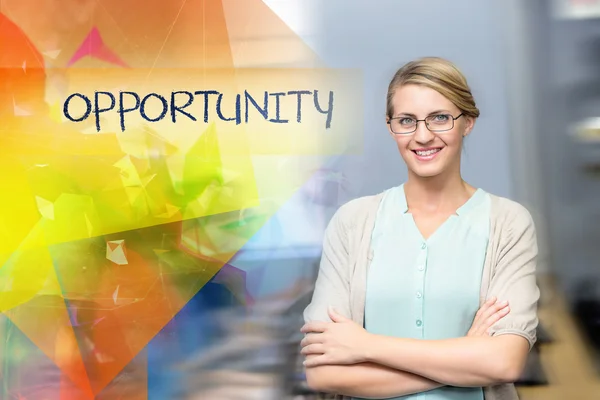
508,274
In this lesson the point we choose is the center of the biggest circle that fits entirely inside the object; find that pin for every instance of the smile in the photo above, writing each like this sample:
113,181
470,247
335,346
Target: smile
427,154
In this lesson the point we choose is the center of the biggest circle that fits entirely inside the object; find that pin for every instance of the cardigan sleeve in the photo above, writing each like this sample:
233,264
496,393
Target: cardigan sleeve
332,287
514,276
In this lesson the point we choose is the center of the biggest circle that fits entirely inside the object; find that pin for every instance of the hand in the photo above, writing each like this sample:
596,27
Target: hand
490,312
339,342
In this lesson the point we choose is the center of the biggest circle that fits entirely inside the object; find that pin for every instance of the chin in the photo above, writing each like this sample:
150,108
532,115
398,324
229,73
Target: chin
426,174
426,171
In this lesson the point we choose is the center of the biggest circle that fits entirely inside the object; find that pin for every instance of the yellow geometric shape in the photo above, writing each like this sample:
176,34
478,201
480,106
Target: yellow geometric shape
88,225
171,211
97,190
26,272
19,211
129,174
46,207
56,112
204,202
75,216
229,175
147,179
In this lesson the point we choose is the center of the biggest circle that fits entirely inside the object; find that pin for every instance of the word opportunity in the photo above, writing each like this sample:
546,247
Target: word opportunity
180,104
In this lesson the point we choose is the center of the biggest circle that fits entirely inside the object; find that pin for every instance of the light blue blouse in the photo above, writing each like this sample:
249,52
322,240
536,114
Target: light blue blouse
427,289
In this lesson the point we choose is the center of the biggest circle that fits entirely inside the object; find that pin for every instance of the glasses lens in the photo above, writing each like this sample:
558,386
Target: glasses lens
403,125
440,122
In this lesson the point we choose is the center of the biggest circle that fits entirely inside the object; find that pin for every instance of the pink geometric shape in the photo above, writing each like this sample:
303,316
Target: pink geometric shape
93,46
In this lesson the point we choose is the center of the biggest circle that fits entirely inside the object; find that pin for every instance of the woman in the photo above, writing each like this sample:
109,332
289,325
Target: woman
404,273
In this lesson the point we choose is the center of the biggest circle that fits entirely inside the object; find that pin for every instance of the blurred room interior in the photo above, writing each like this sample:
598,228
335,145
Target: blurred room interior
535,72
534,68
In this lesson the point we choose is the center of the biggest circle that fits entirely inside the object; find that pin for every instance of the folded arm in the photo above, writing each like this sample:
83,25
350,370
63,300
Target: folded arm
465,361
372,380
367,380
418,365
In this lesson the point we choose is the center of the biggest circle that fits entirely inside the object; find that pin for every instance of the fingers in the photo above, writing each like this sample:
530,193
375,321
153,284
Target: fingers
315,361
489,318
492,319
489,313
335,316
314,327
492,310
313,349
311,339
490,302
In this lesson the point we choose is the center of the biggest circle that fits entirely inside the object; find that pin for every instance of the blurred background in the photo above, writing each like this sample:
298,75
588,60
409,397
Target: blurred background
534,68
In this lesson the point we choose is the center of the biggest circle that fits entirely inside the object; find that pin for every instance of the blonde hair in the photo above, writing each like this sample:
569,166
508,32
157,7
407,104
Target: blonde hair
438,74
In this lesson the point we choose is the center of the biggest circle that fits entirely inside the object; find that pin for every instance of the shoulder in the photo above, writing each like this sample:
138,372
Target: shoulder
510,214
356,211
507,208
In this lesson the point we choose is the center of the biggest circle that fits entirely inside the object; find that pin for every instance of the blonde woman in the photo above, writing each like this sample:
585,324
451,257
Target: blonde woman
427,290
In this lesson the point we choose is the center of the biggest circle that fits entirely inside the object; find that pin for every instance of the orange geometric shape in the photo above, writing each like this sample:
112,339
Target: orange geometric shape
128,307
22,75
131,383
259,37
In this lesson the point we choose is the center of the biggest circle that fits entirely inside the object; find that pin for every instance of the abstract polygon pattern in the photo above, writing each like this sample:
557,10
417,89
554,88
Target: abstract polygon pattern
104,237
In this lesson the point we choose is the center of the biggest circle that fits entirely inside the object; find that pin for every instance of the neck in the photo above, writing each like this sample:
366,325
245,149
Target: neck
442,193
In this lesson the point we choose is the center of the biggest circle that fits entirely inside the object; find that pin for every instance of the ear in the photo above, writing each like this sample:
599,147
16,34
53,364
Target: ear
469,125
389,128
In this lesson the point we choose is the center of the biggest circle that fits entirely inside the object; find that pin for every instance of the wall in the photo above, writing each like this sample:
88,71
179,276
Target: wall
566,58
379,36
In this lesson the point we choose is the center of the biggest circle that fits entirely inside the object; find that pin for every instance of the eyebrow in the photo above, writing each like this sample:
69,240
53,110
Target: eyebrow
431,113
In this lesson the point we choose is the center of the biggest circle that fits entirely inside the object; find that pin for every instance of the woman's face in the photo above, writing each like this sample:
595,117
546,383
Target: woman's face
428,154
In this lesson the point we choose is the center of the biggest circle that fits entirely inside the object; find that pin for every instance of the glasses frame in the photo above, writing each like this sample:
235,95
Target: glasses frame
389,122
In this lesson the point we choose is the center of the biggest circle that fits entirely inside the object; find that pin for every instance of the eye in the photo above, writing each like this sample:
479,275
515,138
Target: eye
440,118
406,121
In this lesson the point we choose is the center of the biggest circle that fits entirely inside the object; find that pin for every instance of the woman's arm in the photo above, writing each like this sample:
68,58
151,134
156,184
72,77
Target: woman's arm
482,361
366,380
333,289
370,380
461,361
467,361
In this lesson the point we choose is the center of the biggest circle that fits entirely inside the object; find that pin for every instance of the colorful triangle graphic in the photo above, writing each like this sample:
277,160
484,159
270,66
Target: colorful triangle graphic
93,46
114,311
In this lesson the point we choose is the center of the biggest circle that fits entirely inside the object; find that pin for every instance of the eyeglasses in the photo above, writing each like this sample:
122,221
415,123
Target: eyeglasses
435,123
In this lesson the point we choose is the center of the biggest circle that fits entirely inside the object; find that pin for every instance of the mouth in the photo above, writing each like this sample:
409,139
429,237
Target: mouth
427,154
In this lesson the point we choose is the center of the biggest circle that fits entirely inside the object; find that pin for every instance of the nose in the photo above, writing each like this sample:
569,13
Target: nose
423,135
